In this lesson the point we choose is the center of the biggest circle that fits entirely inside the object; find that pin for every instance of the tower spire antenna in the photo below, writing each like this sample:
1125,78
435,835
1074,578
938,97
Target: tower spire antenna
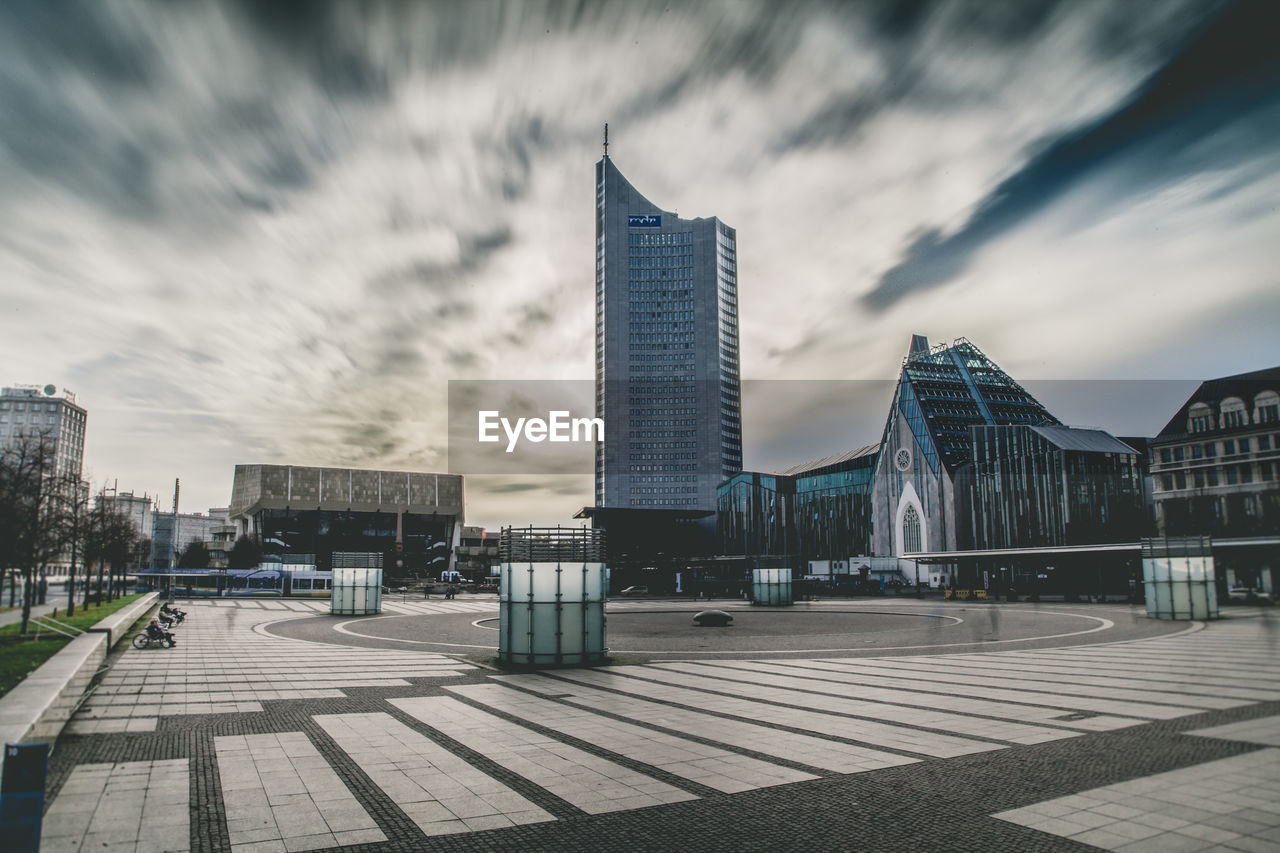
606,140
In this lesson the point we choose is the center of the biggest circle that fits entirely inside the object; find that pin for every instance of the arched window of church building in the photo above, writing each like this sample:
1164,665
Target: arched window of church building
911,531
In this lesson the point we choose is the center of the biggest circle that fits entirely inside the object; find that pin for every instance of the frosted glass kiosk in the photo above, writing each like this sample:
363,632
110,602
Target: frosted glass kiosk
1178,578
771,587
553,585
357,585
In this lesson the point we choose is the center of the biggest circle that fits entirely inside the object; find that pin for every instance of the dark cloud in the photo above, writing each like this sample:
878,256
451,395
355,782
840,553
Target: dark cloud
329,45
474,251
1228,72
509,487
46,138
757,46
535,315
400,360
461,359
904,59
363,442
807,343
524,137
454,310
84,36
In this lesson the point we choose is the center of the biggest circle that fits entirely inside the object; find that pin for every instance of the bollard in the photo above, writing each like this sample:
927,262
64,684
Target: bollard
22,795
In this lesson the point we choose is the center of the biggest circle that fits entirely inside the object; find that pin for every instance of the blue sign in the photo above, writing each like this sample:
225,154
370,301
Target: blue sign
651,221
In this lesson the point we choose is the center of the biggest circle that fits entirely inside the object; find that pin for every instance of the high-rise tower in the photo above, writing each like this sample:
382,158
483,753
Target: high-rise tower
667,383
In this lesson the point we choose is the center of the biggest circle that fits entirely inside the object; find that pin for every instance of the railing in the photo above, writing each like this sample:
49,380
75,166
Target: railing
50,624
551,545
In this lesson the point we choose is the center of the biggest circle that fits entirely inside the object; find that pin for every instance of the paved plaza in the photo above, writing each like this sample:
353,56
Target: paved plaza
275,727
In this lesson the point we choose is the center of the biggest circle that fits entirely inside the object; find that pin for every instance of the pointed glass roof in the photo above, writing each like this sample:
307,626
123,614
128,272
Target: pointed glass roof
944,390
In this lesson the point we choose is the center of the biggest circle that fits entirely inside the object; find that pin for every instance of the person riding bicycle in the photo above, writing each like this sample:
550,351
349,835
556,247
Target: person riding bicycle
155,632
167,610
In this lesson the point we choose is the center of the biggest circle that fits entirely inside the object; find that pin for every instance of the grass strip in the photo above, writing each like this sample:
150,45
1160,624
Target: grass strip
21,655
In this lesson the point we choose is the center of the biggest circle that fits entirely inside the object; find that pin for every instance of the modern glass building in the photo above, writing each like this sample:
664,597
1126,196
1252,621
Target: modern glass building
832,505
942,391
667,377
753,515
816,511
1044,486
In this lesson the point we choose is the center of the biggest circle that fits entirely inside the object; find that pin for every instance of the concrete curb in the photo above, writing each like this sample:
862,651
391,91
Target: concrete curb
38,708
117,624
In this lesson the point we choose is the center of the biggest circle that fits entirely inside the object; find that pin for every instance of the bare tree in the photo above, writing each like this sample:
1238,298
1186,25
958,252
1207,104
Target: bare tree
73,494
111,541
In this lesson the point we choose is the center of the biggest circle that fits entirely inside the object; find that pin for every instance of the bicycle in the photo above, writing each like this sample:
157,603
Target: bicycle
143,641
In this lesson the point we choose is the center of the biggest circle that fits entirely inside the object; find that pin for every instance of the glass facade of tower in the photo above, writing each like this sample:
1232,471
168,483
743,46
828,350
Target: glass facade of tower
667,378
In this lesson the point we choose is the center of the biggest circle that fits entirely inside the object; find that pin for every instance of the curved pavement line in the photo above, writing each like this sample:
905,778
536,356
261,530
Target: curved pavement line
1190,629
341,628
956,620
1105,625
261,628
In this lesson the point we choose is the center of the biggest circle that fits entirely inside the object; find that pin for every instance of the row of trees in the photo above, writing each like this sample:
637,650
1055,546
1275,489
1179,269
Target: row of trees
47,519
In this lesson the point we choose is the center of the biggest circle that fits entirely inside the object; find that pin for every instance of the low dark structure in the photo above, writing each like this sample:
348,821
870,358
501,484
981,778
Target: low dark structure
713,619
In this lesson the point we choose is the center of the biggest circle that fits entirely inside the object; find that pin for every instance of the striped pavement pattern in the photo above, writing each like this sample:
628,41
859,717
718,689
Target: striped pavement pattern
638,736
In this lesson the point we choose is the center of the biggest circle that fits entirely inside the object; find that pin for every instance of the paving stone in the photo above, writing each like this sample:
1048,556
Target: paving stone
1010,758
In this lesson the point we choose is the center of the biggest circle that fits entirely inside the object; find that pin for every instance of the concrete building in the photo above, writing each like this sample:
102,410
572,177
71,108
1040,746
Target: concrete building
222,540
413,519
39,411
139,509
159,527
170,534
667,377
477,554
1215,471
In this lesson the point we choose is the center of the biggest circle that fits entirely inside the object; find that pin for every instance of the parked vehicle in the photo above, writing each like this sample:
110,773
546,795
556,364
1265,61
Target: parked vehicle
142,641
1249,594
170,616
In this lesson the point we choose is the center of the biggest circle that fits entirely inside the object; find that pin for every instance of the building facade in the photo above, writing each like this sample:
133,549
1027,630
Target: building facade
815,512
667,376
754,515
942,391
139,509
477,554
1215,471
30,411
413,519
172,533
1051,509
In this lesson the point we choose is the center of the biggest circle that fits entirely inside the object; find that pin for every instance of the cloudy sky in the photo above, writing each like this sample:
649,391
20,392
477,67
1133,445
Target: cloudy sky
272,232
